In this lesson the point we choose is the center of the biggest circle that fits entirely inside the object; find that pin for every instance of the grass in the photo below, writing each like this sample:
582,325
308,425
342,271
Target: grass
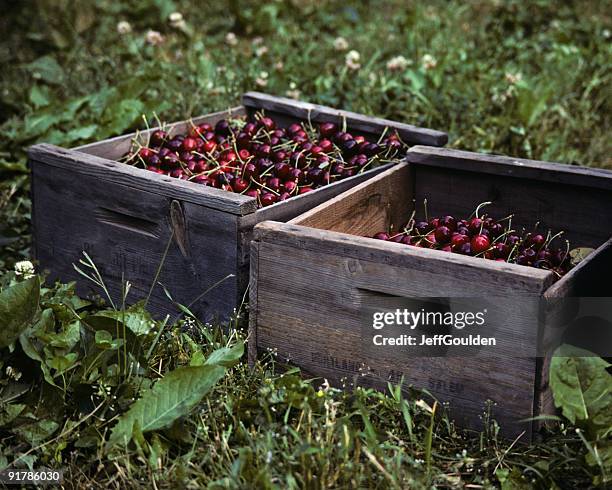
530,79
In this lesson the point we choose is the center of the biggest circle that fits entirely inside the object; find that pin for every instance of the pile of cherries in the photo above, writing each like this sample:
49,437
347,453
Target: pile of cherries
262,160
483,236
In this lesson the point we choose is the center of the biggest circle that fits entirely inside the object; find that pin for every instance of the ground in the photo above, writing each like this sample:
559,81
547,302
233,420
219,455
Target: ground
530,79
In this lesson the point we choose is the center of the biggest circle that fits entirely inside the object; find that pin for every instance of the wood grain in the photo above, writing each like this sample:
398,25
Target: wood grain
500,165
139,179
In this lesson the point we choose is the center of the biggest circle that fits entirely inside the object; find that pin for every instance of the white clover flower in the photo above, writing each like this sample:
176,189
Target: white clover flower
293,94
340,44
429,62
231,39
397,63
124,27
352,60
176,20
24,268
259,52
257,40
154,38
262,79
279,66
514,78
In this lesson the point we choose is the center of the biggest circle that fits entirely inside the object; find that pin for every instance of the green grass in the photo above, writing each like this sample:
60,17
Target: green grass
529,79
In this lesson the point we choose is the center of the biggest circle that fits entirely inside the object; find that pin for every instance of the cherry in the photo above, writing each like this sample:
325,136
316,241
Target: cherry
158,137
501,250
304,190
537,240
252,193
294,128
240,185
297,175
174,144
450,222
273,183
422,227
268,198
480,243
290,186
326,145
465,249
442,234
250,170
282,170
327,129
189,144
209,146
475,225
222,128
381,236
458,239
244,154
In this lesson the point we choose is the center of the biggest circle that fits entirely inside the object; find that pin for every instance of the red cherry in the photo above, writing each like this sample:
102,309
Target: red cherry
189,144
244,154
325,145
209,146
480,243
327,129
458,239
268,199
381,236
240,185
304,190
442,234
145,153
290,186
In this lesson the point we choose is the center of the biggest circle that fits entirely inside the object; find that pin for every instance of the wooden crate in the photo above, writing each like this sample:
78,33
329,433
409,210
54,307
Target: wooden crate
124,217
312,277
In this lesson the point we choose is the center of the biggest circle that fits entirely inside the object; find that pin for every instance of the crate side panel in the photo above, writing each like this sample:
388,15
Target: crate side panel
126,231
367,208
308,309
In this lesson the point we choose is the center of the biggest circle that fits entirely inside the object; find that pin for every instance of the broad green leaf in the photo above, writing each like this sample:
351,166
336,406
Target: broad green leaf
172,397
81,133
39,96
37,432
62,363
226,356
582,389
105,341
48,69
136,318
577,255
67,338
10,413
18,306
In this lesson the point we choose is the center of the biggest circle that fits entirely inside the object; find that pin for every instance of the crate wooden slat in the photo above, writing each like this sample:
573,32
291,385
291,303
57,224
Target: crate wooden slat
311,276
124,217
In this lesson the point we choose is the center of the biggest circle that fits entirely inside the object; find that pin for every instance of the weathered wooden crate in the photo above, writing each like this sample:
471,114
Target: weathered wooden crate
124,217
312,277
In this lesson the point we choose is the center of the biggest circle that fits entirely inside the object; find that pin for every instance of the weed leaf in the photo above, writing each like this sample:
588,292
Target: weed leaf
582,389
172,397
18,306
